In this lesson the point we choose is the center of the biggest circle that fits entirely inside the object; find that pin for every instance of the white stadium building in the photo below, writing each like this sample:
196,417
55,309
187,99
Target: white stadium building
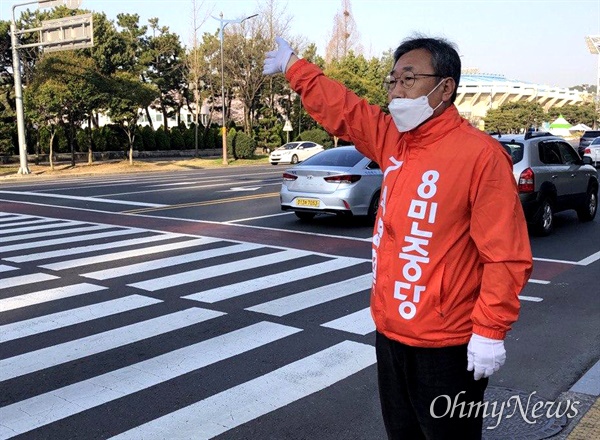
479,92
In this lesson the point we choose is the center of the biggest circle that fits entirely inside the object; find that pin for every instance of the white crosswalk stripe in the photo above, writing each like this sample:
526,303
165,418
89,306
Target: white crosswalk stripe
75,322
91,248
46,323
47,295
29,414
310,298
45,225
168,262
48,357
32,225
31,235
231,408
21,280
223,269
242,288
77,238
69,264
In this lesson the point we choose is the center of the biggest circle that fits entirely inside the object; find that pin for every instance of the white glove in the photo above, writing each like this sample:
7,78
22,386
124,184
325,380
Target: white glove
485,356
276,60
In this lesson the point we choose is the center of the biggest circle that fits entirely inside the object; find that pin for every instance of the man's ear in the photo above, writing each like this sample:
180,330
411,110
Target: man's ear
449,87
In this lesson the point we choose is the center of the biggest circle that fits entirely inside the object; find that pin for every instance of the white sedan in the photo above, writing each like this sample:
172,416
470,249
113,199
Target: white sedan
294,152
593,151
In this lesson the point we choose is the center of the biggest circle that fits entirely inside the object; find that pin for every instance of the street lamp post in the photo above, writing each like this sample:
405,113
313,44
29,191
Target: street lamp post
222,23
14,42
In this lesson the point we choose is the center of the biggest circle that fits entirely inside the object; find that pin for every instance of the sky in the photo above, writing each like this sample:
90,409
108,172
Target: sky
537,41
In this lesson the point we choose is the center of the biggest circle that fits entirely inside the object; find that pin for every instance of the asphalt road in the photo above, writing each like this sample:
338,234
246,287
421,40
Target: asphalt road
187,305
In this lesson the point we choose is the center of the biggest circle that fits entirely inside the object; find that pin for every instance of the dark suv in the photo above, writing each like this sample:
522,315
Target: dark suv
551,177
586,138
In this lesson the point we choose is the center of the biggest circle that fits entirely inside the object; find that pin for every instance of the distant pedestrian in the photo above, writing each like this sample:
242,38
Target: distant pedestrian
450,246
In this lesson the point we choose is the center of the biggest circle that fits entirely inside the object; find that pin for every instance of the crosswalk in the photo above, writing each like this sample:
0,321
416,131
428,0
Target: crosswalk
97,319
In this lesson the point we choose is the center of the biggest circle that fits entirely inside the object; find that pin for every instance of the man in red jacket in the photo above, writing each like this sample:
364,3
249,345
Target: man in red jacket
450,246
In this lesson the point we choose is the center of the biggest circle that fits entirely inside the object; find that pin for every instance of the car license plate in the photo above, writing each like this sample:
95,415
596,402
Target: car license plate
311,203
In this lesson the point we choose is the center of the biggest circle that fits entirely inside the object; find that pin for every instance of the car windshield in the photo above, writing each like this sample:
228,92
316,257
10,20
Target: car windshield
596,141
289,146
342,157
515,150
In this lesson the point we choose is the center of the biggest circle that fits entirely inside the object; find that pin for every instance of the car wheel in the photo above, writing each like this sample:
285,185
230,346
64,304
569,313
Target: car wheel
544,221
294,159
373,207
273,163
587,211
305,215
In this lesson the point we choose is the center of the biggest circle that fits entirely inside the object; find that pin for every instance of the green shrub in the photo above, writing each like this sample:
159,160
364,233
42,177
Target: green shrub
177,141
243,146
138,142
148,138
316,135
163,142
82,137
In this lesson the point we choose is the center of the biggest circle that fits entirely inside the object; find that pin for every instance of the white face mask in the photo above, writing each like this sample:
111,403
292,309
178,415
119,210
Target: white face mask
410,113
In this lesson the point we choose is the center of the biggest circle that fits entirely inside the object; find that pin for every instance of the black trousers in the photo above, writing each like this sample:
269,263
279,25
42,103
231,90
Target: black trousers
427,393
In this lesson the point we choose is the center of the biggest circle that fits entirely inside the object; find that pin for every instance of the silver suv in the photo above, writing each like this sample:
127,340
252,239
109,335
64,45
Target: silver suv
551,177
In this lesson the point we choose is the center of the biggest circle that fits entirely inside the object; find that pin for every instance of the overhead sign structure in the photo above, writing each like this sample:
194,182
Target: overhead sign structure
67,33
71,4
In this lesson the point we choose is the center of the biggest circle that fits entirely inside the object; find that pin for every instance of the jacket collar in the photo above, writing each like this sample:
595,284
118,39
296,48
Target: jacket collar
434,129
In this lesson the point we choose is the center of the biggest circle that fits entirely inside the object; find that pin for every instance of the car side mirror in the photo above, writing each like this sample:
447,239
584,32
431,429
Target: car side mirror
587,160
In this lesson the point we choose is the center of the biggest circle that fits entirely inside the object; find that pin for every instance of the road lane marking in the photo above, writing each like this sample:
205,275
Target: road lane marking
181,278
242,288
313,297
205,203
589,260
147,266
80,348
32,413
115,256
42,296
91,248
238,405
28,327
53,233
534,281
530,298
7,268
7,226
279,214
46,225
84,199
360,323
75,238
23,280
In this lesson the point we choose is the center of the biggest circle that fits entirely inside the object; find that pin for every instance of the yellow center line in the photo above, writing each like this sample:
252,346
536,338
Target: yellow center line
206,203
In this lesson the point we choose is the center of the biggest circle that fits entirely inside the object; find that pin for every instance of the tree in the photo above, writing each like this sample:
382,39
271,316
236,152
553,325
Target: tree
128,96
164,58
345,36
576,114
515,117
74,90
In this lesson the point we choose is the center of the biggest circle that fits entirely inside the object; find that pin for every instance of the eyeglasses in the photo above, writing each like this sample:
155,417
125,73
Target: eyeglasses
406,80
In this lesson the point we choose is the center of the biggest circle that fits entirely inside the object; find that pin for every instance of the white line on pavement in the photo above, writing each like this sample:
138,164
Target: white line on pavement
233,407
42,296
69,351
85,199
310,298
21,417
54,321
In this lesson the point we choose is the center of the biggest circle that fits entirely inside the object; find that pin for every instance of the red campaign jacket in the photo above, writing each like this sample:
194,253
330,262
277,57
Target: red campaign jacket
451,251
